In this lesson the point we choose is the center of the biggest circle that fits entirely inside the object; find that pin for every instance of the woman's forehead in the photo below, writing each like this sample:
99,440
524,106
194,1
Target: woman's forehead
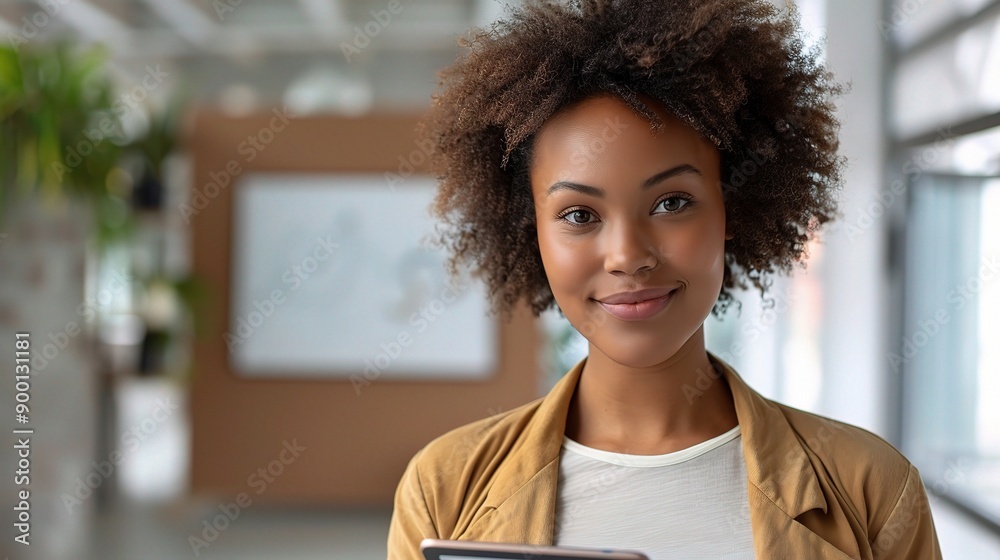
604,134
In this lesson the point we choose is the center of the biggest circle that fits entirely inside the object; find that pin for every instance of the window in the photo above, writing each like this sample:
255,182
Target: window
944,148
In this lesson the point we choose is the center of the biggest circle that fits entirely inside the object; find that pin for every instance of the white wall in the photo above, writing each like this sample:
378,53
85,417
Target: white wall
854,281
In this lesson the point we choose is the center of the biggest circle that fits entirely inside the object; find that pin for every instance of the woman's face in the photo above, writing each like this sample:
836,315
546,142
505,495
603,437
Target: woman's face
619,209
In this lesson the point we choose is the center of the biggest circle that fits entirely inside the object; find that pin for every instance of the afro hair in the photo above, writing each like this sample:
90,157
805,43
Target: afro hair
737,71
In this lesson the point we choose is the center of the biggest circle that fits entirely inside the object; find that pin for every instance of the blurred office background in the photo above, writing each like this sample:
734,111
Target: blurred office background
196,389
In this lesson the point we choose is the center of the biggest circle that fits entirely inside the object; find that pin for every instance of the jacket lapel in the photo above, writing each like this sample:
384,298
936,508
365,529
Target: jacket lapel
781,481
782,484
776,535
520,505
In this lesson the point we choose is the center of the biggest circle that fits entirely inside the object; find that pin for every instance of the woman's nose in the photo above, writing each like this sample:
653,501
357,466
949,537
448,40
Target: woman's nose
629,249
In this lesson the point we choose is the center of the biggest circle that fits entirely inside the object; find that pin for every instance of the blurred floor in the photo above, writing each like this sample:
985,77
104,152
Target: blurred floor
258,533
960,537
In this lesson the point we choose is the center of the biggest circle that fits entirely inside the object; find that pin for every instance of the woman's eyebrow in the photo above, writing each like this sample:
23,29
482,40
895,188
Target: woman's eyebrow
599,193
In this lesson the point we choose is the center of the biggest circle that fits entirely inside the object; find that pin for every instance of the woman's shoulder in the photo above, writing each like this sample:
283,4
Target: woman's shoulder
861,463
480,438
834,439
873,479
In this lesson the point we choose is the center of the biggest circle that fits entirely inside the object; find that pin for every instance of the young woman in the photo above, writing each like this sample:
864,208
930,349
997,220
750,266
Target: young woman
633,162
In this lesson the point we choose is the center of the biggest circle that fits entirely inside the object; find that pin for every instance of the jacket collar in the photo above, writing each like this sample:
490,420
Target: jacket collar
781,480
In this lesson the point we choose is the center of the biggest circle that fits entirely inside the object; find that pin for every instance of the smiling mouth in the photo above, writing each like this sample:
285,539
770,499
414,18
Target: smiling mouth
638,311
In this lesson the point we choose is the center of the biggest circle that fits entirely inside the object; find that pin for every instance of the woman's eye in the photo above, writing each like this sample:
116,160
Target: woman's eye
578,217
673,203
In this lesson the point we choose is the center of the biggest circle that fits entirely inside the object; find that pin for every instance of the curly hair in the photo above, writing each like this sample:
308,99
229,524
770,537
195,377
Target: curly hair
736,71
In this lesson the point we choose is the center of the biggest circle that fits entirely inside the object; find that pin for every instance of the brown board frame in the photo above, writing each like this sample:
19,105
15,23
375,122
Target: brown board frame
315,441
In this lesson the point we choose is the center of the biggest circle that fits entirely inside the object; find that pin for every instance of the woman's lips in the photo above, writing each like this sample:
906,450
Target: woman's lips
638,311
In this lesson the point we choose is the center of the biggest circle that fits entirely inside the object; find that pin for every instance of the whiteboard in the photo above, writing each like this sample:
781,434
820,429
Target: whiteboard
333,276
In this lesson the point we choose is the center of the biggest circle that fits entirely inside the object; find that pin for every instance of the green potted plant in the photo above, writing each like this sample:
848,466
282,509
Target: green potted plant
59,136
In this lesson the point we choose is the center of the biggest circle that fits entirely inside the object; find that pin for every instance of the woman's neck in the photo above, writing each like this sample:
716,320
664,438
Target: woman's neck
650,410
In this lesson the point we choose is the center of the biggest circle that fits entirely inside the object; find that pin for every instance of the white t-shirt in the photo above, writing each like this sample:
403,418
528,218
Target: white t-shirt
687,504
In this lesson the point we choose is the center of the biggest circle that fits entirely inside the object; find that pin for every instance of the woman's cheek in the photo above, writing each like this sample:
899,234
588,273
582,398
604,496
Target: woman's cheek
557,259
700,251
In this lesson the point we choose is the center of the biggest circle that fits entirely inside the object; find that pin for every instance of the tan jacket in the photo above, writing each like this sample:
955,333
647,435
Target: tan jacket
817,488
